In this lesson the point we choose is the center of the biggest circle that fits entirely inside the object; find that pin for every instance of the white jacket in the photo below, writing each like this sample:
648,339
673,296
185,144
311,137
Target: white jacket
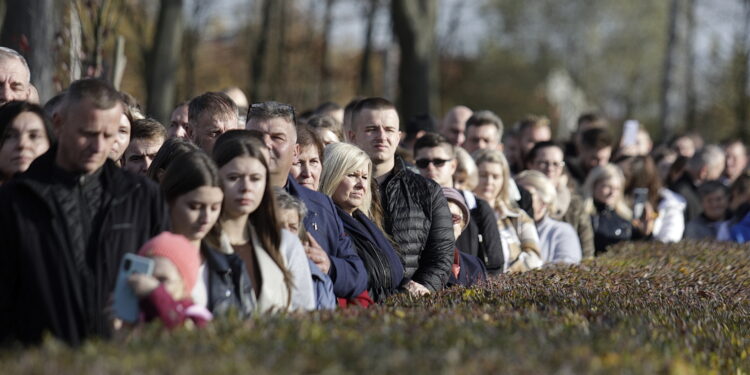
670,224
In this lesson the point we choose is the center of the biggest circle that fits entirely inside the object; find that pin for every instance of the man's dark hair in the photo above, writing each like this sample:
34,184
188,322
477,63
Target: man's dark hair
147,128
431,140
52,105
372,104
326,122
485,117
596,139
99,92
421,122
710,187
213,103
540,146
271,110
591,117
351,105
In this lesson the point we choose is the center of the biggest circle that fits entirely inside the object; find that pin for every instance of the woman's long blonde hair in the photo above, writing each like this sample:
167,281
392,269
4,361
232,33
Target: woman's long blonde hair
603,173
503,202
341,159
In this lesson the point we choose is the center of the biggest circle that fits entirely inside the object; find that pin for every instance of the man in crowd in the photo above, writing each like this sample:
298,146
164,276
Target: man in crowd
483,130
14,76
337,257
146,138
532,130
706,164
209,116
416,212
67,222
178,122
453,125
594,149
436,159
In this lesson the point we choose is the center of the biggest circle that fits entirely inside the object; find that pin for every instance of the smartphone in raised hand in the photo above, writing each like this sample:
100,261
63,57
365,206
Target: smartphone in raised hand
125,300
640,197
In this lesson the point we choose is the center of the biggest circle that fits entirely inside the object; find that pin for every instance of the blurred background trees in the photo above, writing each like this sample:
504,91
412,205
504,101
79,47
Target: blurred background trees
675,65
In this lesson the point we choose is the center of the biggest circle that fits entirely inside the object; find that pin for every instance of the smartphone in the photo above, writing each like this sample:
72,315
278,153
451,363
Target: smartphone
630,133
125,300
640,197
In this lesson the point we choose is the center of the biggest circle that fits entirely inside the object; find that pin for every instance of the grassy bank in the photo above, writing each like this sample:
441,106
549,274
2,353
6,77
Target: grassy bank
642,308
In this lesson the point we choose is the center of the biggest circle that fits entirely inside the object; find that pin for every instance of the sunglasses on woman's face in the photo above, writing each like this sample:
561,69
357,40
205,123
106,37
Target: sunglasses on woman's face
424,163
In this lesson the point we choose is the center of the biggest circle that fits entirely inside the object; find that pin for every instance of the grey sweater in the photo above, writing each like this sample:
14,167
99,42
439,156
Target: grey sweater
559,242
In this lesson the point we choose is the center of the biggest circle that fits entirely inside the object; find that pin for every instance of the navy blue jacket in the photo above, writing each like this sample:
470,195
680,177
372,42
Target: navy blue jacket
347,270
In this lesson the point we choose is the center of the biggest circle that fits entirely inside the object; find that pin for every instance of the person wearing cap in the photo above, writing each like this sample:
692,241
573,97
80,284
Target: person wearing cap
165,294
467,269
558,241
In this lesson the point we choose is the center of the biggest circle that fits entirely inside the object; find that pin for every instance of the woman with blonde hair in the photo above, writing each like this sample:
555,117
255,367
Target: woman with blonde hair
347,179
519,237
558,240
610,215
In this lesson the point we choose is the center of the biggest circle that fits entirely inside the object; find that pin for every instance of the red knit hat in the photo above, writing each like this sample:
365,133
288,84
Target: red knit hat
180,251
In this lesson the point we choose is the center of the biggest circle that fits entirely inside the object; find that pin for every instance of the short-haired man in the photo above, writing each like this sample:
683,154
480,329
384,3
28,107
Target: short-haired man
531,130
707,164
453,125
146,138
484,129
337,258
178,122
436,159
67,222
209,116
594,149
14,76
416,212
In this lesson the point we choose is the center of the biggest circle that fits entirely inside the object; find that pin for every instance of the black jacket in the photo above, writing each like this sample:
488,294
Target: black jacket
229,286
684,186
418,220
609,228
48,281
481,237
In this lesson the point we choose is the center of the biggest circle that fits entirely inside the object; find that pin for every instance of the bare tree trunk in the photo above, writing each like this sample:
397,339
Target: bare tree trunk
414,25
365,75
690,92
164,60
665,115
325,65
278,87
29,28
261,48
743,75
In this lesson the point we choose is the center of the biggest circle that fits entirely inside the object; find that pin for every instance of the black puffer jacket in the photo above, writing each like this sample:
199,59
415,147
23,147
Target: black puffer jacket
418,220
54,280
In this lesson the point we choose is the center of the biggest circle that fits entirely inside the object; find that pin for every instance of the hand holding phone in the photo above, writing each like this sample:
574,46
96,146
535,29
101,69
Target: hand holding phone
640,197
126,301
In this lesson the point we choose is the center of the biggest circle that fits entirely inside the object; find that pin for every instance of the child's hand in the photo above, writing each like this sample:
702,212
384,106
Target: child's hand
142,284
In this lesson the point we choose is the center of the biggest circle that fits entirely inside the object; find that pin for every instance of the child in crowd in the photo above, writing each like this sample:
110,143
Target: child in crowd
166,293
711,224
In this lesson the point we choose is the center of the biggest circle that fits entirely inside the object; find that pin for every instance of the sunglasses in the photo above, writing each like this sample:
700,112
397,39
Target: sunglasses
424,163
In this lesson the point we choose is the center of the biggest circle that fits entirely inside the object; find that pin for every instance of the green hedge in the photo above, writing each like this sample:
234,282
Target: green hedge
641,308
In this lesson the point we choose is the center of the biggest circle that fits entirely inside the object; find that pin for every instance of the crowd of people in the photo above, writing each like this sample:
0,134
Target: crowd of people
255,208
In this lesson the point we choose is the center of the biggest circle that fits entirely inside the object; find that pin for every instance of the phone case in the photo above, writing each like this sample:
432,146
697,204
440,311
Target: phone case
125,300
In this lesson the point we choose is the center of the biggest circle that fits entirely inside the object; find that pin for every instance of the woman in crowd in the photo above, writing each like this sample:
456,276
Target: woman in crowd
610,216
193,193
517,231
558,240
169,151
25,134
309,163
248,226
346,179
663,216
547,158
466,176
326,128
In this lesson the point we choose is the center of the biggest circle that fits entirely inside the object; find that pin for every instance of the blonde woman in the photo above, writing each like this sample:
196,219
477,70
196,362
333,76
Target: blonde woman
558,240
520,240
347,179
604,201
